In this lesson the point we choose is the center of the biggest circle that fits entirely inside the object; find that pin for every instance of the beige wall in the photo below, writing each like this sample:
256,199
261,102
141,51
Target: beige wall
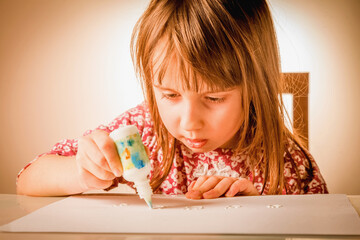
322,37
65,68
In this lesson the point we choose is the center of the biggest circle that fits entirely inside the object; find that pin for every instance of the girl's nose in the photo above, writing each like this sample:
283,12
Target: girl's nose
191,117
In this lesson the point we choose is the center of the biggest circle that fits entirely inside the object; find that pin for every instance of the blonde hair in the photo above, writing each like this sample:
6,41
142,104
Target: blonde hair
225,43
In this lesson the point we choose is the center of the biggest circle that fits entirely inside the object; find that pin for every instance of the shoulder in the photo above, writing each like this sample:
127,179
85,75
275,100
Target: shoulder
294,154
301,172
138,116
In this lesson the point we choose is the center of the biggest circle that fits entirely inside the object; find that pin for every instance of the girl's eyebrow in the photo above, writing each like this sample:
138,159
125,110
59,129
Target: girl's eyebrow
207,92
163,88
220,90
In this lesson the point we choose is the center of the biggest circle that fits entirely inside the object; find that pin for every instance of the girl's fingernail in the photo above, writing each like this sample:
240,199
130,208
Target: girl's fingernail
194,194
197,194
117,172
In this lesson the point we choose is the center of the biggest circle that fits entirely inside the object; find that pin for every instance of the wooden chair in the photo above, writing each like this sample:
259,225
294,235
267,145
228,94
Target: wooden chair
297,84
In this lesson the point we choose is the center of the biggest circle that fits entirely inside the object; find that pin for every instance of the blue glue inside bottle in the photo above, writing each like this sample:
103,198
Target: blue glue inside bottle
134,159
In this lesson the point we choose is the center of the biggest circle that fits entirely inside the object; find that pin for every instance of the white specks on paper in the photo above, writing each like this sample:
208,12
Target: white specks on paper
193,208
120,205
158,207
274,206
199,207
232,206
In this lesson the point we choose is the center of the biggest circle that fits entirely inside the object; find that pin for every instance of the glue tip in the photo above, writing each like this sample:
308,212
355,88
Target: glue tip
149,203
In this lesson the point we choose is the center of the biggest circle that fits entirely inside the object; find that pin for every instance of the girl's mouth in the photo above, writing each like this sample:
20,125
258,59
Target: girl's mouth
195,143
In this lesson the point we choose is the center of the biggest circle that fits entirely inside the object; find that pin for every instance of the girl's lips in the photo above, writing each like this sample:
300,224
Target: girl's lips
196,143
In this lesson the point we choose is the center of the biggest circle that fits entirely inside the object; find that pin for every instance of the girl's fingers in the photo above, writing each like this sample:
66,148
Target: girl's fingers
242,186
210,183
97,171
193,192
89,181
191,186
200,181
216,186
219,189
203,184
90,150
108,148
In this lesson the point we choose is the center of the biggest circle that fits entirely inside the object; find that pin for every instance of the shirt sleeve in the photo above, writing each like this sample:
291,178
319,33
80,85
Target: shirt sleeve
301,172
138,116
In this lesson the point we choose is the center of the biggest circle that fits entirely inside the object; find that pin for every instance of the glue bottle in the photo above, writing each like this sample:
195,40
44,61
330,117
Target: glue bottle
134,159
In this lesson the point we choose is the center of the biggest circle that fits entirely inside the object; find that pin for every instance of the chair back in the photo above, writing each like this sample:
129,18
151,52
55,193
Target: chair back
297,84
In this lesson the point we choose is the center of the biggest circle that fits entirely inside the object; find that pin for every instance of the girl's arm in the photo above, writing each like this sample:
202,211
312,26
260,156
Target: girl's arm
74,166
95,166
50,175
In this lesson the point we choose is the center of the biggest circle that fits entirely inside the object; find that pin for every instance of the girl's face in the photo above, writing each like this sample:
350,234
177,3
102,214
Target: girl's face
203,120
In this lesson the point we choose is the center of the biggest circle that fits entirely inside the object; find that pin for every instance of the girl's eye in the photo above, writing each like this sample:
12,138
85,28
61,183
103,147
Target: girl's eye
215,99
170,95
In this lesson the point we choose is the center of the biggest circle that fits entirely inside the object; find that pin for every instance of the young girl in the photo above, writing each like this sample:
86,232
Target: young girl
212,120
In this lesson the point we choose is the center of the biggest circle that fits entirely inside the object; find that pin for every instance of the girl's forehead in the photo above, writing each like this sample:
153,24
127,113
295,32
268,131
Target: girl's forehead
178,85
171,72
175,80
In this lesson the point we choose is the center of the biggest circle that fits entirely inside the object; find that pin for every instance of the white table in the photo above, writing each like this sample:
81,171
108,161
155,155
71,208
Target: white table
15,206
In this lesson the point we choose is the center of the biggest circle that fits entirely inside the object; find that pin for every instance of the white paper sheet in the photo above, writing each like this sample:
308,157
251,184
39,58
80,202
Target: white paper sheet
302,214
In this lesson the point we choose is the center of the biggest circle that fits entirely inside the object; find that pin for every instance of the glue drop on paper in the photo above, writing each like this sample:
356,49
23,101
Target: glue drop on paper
134,159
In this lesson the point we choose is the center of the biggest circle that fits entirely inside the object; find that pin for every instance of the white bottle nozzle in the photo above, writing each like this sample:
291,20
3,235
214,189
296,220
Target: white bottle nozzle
144,190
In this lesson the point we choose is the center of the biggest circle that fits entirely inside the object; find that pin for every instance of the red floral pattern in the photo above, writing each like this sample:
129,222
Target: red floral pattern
188,166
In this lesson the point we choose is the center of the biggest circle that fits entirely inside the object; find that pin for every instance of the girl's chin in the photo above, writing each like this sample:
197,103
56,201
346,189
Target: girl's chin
200,150
196,150
206,148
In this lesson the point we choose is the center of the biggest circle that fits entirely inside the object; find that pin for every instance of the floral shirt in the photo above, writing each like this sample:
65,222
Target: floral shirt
188,166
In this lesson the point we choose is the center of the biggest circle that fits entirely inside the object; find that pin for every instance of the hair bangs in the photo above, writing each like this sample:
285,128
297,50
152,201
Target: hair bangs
213,63
206,54
185,75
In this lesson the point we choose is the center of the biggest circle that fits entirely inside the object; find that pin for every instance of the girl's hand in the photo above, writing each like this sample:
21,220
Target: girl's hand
216,186
98,161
